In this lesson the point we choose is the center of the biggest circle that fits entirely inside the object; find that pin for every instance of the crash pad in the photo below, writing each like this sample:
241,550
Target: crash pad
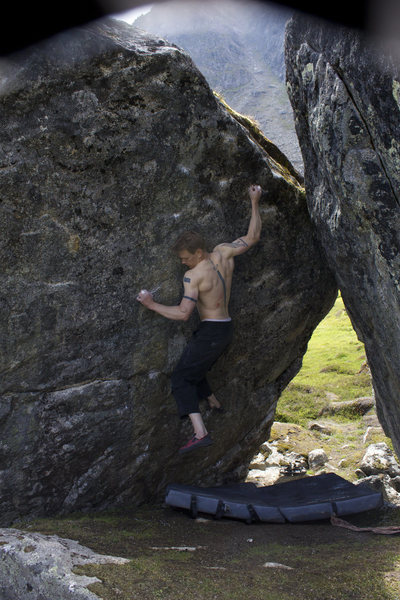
307,499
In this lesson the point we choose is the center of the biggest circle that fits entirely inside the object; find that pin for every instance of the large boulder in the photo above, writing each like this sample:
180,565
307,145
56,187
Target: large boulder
345,92
111,145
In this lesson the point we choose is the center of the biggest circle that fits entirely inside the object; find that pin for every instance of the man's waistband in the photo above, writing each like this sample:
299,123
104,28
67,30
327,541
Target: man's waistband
216,320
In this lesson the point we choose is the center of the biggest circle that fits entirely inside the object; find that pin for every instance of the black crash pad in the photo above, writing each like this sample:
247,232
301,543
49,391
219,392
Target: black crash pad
306,499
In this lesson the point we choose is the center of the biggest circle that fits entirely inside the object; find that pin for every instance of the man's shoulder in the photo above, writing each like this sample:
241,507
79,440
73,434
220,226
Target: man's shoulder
191,275
222,251
222,248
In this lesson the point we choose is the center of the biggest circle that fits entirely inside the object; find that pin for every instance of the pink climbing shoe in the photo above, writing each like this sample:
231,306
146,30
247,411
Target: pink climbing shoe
196,443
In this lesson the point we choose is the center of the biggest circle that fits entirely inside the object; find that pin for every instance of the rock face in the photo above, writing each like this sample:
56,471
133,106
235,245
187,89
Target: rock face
111,145
239,48
345,91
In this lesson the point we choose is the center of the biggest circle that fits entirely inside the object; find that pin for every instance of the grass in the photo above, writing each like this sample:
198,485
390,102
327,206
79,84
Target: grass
334,367
327,563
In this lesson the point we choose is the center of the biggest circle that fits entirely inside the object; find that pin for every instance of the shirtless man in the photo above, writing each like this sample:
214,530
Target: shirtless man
207,285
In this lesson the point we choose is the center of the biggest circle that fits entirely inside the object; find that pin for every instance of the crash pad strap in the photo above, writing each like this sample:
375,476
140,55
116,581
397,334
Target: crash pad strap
219,513
193,506
390,530
253,514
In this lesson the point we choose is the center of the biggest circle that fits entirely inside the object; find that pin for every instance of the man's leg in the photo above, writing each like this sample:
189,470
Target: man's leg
200,430
189,383
205,346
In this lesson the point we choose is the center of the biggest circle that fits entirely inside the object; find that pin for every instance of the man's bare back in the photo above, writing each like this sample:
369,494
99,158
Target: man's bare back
212,280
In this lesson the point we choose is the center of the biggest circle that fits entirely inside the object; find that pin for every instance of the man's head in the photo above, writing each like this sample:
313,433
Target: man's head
190,247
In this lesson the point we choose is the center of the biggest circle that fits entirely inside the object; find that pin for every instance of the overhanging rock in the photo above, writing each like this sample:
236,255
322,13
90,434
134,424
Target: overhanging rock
111,145
345,92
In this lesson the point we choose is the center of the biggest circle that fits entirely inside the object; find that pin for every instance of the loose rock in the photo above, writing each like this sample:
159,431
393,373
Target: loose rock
320,427
358,406
268,476
274,565
265,449
317,458
380,459
258,462
382,483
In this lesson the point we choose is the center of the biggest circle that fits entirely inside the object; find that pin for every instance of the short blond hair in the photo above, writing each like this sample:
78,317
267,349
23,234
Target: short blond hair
190,241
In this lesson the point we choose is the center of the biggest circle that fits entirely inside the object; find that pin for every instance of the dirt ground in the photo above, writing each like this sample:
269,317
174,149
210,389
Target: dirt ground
175,557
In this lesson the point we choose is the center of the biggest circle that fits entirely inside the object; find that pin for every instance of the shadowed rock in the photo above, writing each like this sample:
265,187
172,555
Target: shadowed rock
111,145
345,91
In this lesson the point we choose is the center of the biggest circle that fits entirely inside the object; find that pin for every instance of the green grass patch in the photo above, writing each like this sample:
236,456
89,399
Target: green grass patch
334,367
328,563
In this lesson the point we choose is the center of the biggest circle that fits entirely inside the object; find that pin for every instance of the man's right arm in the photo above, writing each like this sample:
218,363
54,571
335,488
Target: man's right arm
242,244
181,312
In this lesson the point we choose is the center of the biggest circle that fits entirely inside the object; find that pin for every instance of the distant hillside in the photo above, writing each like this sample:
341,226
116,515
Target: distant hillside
239,47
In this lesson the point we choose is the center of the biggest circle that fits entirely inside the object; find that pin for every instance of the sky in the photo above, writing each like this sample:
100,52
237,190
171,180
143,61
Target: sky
131,15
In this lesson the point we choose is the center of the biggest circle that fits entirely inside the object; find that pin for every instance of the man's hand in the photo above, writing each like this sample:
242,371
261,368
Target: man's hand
255,192
181,312
145,298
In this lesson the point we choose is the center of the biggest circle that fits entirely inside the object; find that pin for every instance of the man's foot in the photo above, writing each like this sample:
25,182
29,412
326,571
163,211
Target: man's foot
214,404
196,443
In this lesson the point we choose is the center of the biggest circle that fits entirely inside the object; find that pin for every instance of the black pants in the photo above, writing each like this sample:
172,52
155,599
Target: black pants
188,381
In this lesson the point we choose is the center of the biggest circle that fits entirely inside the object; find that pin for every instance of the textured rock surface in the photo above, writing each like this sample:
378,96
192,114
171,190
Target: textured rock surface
345,91
317,458
380,459
239,48
41,566
111,145
358,406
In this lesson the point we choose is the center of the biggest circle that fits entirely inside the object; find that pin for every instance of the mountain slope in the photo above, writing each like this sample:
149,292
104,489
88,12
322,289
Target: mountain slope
239,48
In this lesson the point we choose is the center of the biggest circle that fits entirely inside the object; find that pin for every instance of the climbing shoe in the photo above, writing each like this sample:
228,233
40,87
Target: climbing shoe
196,443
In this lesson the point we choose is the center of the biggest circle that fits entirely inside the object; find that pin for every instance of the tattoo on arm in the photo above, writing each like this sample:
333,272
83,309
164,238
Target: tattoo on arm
237,244
188,280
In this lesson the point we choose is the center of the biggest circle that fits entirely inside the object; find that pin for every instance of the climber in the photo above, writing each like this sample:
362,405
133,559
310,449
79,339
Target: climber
207,285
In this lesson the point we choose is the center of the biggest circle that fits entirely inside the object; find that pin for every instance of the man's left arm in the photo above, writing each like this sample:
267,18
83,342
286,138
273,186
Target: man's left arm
183,311
244,243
